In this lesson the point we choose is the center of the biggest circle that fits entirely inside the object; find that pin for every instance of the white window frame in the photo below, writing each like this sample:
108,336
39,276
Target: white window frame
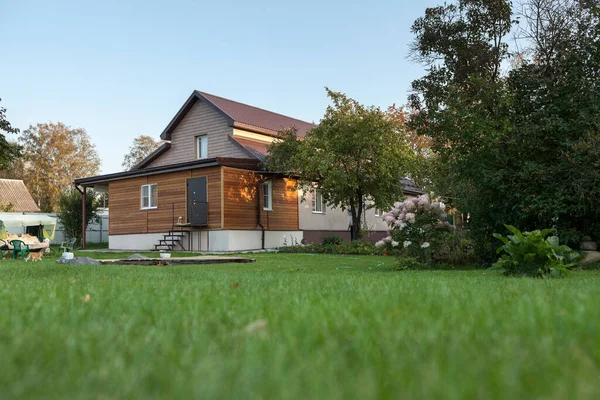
317,196
151,187
201,147
378,212
267,195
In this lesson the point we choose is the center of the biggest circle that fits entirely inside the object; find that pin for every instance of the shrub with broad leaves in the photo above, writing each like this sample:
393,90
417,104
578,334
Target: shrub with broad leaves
417,227
534,254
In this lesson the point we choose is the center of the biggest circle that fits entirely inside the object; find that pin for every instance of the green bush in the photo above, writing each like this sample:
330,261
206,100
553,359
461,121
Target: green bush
332,240
533,254
456,248
409,263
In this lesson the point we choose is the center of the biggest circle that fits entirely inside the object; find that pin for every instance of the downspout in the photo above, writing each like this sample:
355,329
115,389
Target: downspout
262,228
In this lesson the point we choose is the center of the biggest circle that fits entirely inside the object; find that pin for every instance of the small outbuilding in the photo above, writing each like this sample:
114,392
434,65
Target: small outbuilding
15,196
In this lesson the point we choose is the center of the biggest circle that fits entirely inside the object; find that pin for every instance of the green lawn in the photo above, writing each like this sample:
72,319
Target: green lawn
338,327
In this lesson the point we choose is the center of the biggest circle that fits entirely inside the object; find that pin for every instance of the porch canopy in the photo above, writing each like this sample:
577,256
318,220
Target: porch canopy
12,220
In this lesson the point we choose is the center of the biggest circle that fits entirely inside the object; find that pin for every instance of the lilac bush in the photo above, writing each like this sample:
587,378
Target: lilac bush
416,227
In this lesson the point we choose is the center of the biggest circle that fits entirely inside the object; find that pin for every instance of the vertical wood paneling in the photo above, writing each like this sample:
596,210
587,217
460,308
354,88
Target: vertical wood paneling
201,119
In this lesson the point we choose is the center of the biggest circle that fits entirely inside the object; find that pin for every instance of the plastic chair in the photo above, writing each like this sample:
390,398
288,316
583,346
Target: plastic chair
19,247
3,243
68,245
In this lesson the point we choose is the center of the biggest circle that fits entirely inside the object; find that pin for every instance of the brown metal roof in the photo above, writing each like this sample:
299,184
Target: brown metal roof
15,192
256,148
257,117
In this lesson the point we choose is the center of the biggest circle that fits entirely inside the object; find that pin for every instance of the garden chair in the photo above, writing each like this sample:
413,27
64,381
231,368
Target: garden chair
19,247
3,252
68,245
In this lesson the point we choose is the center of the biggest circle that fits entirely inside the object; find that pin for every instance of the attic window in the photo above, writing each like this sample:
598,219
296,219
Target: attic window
201,147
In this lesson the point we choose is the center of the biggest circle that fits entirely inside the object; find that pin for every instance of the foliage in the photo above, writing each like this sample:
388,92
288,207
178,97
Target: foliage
522,147
8,151
409,263
6,207
534,254
417,227
355,154
54,155
70,212
141,148
356,247
456,249
332,240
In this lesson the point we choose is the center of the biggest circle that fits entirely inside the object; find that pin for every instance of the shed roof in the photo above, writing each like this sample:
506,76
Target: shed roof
13,191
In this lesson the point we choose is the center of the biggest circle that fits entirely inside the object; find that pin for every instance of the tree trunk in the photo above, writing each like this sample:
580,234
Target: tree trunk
356,208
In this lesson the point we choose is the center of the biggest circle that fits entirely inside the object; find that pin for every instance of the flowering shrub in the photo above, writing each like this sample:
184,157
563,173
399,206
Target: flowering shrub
416,223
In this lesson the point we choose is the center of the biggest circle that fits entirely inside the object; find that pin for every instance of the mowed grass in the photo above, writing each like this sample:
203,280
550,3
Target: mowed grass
337,328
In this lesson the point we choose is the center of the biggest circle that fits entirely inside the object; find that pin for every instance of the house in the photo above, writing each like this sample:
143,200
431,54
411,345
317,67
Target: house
205,189
15,197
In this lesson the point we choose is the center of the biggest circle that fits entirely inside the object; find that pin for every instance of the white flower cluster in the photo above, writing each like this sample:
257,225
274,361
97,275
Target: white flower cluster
405,213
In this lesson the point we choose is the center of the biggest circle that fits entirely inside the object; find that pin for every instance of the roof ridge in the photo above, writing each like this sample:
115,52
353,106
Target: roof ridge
9,179
258,108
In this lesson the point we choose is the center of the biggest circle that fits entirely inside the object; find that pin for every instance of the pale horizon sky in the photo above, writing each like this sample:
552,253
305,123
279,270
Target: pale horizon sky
120,69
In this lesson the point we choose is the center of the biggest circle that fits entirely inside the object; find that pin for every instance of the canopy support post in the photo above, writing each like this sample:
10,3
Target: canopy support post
83,201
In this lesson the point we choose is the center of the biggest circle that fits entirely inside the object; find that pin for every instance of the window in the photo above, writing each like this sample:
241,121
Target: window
202,147
318,204
267,196
149,196
378,212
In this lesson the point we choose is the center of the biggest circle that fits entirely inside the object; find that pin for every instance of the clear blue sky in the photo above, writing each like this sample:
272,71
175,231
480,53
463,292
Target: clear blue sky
123,68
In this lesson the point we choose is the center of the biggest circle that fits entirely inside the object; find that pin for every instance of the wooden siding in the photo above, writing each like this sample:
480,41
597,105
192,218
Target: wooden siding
239,202
126,217
201,119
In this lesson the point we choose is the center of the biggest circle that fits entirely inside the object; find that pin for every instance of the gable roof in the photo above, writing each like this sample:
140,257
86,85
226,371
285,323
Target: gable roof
254,116
240,115
15,192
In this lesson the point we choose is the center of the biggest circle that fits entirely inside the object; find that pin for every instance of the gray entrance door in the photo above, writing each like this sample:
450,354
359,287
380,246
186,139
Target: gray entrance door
196,201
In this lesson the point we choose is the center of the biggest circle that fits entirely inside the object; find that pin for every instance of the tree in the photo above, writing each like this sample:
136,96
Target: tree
142,147
6,207
70,212
8,151
355,154
518,147
54,155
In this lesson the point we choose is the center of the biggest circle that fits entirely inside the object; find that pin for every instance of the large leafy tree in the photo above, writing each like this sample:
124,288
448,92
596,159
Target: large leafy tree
8,151
54,155
518,147
355,155
142,147
461,102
